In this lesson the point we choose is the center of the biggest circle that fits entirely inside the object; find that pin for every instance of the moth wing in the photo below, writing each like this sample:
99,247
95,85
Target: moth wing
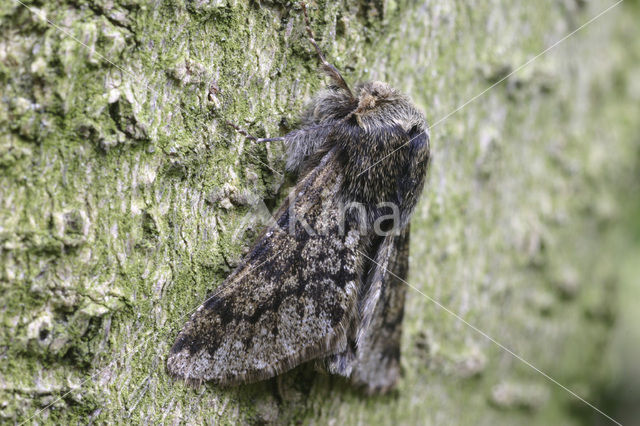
377,354
292,299
372,356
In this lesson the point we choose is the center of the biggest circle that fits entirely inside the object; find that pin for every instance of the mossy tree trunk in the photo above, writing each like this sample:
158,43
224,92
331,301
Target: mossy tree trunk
123,199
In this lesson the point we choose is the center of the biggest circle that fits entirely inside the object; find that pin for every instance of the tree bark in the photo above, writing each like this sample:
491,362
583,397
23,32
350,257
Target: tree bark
124,198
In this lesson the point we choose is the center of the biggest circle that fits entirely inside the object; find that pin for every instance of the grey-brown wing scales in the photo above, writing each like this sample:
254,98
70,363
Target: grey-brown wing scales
372,356
377,364
292,300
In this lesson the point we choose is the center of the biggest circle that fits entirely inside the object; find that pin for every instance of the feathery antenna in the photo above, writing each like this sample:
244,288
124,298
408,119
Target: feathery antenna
326,66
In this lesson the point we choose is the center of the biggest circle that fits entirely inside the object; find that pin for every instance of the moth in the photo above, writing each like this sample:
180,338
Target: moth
324,281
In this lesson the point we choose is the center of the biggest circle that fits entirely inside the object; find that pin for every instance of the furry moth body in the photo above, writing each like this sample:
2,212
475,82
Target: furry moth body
324,281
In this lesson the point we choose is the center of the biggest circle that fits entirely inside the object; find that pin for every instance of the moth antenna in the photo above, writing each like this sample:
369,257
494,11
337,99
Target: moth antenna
331,71
250,136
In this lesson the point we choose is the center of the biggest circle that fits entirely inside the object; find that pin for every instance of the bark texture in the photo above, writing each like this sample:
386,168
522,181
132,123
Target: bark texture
124,199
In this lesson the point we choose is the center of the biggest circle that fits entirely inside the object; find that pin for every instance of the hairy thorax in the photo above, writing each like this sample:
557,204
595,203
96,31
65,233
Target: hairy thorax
381,140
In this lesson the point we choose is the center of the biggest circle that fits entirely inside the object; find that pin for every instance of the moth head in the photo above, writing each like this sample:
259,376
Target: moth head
380,104
374,94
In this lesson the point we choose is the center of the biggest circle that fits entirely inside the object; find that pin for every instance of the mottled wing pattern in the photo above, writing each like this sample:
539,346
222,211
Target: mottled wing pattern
292,300
372,356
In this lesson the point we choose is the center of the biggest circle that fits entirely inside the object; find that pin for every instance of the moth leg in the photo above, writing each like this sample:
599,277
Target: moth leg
301,145
250,136
341,363
377,355
326,66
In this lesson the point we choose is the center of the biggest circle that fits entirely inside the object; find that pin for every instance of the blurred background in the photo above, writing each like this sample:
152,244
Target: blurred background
620,395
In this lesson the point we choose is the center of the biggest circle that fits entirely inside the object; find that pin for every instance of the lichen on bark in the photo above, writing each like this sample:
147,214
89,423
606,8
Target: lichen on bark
121,192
